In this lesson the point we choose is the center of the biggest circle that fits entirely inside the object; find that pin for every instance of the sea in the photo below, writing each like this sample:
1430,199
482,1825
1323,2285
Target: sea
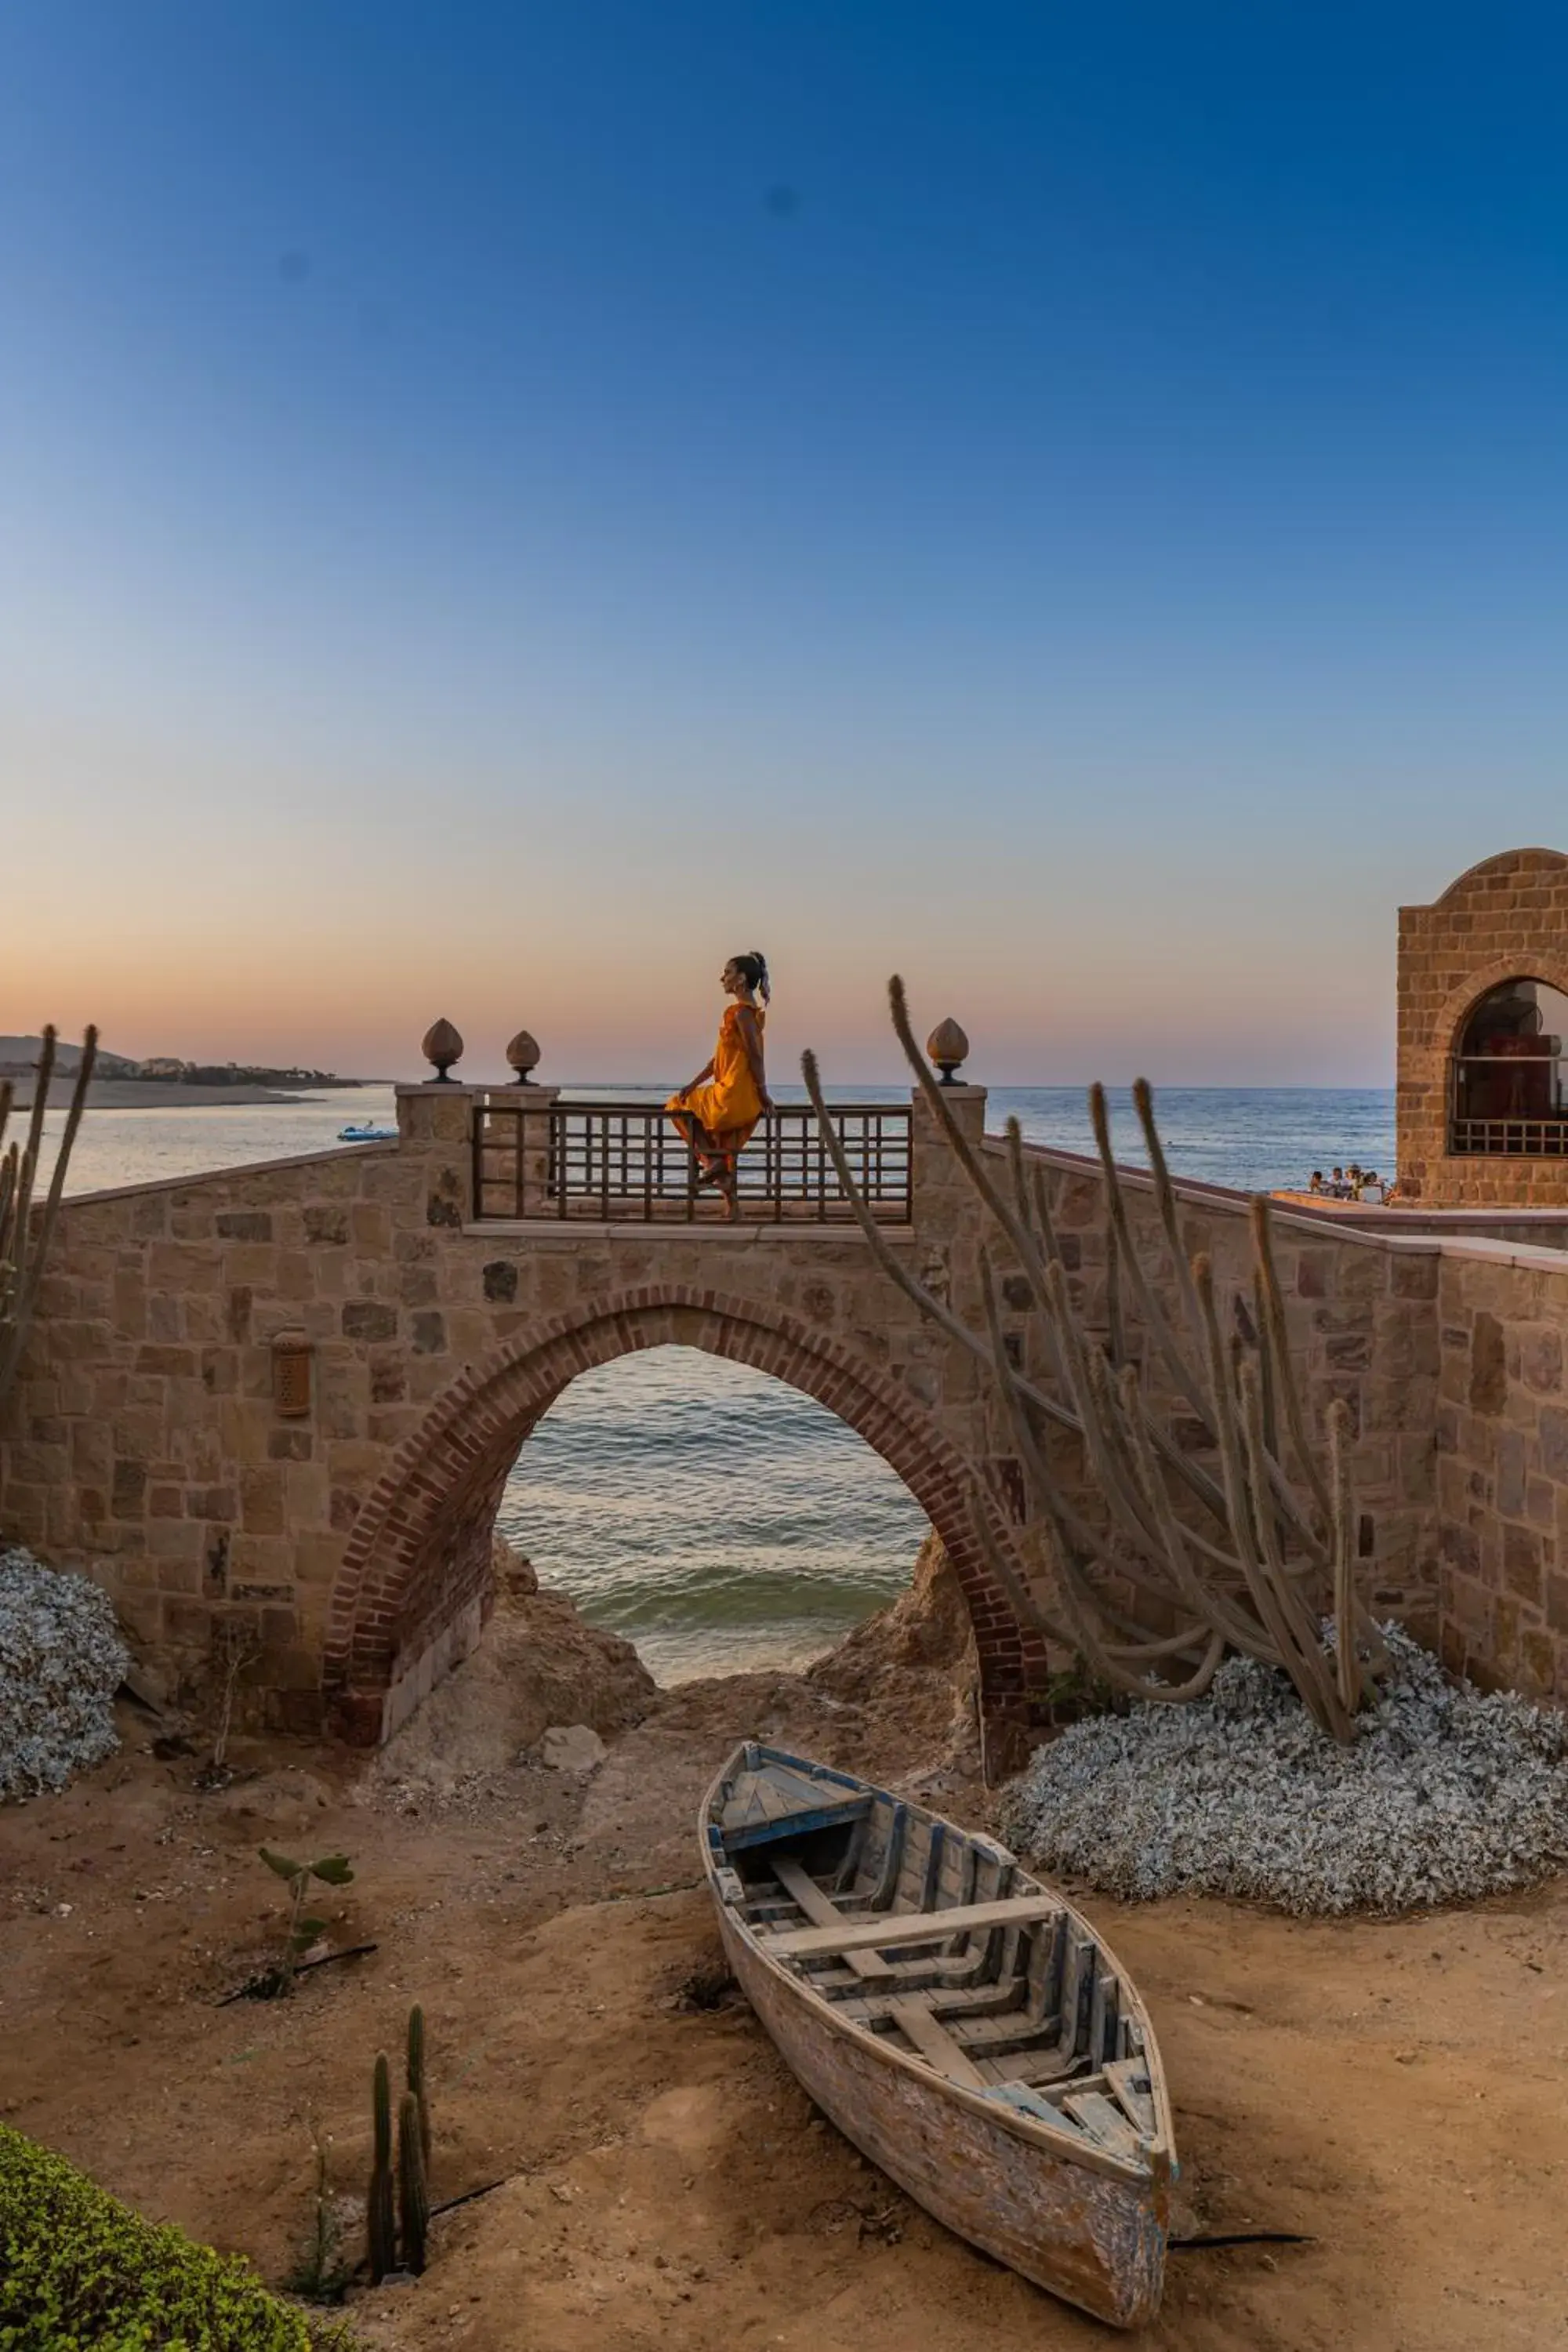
713,1517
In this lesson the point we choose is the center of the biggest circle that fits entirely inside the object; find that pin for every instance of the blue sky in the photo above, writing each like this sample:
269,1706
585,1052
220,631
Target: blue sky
501,507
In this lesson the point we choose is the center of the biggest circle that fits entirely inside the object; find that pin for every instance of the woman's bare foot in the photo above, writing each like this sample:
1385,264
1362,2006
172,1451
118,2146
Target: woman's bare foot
728,1186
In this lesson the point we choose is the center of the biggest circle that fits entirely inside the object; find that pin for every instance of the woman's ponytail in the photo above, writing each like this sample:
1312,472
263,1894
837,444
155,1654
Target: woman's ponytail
753,969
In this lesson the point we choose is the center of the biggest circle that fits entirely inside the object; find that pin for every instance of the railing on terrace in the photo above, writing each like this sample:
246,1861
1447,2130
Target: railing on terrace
1510,1102
1511,1138
618,1162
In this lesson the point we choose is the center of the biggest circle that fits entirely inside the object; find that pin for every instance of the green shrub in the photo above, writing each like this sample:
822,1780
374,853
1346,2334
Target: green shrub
80,2271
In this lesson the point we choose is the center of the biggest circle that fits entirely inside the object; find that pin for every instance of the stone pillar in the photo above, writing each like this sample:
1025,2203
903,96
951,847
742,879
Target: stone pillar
435,1125
939,1182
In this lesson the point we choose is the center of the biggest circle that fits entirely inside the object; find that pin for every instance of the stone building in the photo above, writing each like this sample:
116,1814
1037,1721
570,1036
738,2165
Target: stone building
1483,1038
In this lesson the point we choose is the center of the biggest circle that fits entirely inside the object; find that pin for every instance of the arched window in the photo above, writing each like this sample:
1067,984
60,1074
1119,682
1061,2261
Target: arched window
1510,1082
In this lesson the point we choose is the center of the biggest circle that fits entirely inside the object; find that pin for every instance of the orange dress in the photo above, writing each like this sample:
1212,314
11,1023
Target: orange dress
727,1106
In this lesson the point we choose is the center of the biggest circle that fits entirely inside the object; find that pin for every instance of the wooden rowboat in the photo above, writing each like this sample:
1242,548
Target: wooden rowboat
957,2020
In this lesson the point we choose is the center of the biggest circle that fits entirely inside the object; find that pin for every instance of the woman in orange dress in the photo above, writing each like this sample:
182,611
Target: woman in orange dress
716,1112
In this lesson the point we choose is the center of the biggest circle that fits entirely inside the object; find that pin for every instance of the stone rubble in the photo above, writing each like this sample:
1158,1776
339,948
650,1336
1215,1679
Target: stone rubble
61,1662
1447,1795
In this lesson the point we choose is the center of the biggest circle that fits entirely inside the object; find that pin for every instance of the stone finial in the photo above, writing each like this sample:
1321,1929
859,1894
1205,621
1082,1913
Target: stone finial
522,1055
948,1046
442,1045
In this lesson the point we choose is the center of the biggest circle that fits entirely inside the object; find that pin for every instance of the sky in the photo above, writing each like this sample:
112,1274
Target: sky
502,507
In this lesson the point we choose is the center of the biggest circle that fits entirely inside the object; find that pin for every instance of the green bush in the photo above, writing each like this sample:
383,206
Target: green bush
81,2273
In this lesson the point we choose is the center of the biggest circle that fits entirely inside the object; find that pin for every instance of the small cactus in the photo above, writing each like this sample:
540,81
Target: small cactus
416,2079
380,2211
413,2196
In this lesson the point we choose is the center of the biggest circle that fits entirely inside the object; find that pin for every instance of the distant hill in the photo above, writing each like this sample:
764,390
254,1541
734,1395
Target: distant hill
21,1054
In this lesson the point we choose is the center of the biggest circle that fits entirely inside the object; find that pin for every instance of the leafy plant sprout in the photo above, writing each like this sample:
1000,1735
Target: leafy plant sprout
333,1869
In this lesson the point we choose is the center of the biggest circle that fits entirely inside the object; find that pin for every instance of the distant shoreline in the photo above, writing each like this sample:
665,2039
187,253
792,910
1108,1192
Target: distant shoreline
169,1094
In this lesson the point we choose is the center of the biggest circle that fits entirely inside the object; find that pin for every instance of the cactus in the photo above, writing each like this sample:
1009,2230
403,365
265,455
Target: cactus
380,2213
416,2079
413,2195
25,1233
1192,1558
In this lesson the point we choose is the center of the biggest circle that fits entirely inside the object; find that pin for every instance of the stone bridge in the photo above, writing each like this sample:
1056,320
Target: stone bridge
286,1397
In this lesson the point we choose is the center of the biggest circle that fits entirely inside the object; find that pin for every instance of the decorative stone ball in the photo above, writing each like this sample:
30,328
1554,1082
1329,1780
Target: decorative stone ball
522,1055
443,1046
948,1046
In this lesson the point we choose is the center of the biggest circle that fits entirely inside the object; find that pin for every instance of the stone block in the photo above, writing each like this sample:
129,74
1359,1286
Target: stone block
1489,1377
1522,1564
369,1319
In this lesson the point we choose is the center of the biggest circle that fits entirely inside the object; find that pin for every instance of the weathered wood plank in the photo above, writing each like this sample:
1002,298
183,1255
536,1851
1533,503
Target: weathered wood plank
1106,2124
1128,2078
803,1889
935,2043
893,1929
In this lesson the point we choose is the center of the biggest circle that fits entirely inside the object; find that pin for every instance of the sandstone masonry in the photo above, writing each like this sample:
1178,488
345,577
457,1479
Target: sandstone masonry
1507,918
150,1442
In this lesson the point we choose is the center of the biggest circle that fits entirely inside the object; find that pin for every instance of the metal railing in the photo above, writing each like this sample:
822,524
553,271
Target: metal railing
1511,1139
1510,1104
619,1162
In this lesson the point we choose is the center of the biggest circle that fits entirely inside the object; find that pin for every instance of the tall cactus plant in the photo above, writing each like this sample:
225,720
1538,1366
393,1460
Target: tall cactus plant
1243,1544
413,2190
415,2079
380,2208
24,1233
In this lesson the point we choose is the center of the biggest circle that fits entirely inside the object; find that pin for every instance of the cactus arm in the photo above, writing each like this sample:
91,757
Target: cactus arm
413,2196
29,1261
380,2217
928,1304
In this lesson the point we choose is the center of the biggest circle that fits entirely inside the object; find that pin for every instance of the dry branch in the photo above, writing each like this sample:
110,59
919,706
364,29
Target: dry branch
1184,1560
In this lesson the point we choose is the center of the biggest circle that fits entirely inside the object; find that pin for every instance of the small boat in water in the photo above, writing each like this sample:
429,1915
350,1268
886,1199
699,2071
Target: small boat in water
959,2022
368,1134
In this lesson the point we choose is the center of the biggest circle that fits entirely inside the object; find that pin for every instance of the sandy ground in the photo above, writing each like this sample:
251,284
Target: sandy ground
1397,2091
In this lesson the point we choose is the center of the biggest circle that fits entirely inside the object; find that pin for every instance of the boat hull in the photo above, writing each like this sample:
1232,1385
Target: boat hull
1088,2236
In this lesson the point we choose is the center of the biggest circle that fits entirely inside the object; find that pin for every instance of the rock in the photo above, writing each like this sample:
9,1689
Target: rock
515,1577
913,1662
539,1663
573,1748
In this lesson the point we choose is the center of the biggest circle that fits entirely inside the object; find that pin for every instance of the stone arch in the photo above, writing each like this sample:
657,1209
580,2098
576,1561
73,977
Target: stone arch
1503,863
408,1594
1462,1001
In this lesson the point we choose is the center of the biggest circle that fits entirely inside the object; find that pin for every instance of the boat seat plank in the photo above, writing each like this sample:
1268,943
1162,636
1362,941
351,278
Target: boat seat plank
1103,2122
769,1829
935,2043
891,1929
820,1908
1128,2078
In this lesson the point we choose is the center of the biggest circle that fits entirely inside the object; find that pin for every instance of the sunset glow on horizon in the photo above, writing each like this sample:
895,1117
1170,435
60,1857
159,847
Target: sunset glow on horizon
505,508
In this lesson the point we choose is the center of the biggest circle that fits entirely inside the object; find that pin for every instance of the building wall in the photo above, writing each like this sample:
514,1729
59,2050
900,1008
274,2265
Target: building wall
1507,918
1502,1466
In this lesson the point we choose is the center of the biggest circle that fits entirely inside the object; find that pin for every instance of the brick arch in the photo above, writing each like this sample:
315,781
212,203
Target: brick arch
417,1556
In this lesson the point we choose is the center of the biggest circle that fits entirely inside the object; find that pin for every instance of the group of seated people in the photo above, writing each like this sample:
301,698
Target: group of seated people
1353,1183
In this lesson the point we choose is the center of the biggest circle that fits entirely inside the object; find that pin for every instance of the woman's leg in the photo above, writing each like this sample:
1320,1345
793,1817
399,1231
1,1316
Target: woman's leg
700,1143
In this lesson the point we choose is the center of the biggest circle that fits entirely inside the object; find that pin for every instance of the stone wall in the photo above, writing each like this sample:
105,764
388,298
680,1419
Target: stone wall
1507,918
1502,1466
1361,1319
147,1441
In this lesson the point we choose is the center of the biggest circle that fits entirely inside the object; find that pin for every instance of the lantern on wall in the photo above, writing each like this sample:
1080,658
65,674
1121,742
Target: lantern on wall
292,1375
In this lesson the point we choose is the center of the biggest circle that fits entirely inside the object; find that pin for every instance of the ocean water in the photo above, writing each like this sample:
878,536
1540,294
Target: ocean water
710,1514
